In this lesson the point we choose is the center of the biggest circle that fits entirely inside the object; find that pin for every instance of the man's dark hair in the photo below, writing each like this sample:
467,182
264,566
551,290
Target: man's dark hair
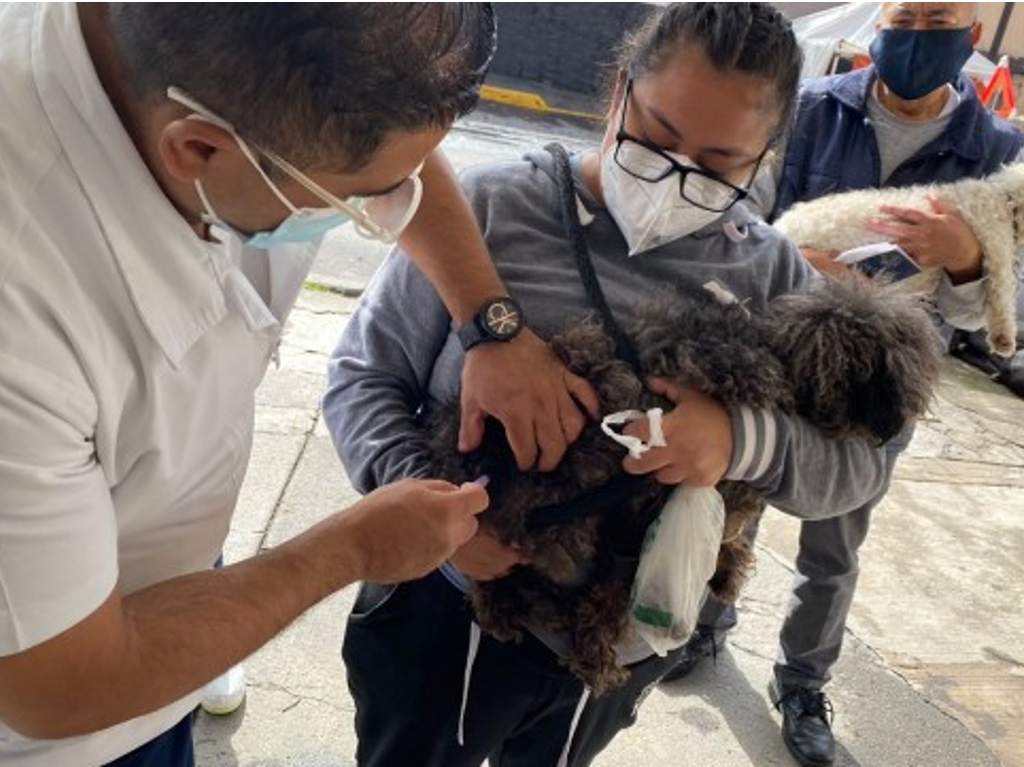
322,85
753,38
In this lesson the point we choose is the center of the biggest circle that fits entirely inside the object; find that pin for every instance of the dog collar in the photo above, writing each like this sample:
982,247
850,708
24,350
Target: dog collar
613,493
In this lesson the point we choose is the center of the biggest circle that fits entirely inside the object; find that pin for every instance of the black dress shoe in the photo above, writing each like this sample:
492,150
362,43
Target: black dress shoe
807,725
703,644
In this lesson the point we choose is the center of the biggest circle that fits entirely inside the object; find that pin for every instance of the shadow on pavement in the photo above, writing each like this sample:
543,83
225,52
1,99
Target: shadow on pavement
723,687
213,738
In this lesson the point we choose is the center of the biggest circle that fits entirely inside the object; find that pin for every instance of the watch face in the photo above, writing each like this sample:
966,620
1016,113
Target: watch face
503,319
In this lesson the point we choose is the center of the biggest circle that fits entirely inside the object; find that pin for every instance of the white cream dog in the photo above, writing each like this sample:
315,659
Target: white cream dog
993,207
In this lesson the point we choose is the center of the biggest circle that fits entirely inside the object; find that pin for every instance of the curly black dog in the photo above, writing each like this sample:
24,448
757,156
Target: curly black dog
856,360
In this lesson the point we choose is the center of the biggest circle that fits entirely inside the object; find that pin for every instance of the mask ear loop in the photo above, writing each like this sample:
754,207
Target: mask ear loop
210,212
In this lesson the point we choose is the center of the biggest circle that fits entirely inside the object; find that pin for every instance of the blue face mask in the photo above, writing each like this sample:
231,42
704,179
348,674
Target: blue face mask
303,225
914,62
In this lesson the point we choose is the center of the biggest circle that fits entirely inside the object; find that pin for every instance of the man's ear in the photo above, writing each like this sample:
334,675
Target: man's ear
188,145
880,18
976,33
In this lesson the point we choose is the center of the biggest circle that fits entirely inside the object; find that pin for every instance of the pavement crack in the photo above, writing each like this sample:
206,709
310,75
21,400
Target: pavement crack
999,655
307,438
295,349
332,312
298,408
946,482
985,416
298,697
734,645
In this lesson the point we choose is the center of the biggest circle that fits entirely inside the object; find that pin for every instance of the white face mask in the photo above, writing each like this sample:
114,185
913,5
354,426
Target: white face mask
649,213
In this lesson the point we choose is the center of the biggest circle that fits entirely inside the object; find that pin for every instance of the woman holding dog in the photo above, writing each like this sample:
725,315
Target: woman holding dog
702,92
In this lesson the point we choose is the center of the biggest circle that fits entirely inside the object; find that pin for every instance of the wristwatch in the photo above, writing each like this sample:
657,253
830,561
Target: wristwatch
499,319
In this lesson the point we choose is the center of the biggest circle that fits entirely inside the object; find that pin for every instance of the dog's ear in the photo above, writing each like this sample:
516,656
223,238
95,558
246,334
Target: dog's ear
876,403
863,359
494,457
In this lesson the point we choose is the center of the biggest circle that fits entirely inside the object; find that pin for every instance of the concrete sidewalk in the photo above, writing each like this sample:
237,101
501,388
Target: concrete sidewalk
933,668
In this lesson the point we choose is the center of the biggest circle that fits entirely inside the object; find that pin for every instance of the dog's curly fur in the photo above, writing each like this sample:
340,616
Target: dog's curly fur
993,207
855,361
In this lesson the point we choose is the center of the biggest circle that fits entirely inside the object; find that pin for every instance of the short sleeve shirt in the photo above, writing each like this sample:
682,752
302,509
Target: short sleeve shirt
130,351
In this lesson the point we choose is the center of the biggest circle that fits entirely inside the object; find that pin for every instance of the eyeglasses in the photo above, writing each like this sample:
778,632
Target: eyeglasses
648,162
378,217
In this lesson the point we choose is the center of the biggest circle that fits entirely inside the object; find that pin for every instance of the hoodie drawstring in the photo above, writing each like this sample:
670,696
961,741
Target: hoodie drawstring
563,760
471,652
474,645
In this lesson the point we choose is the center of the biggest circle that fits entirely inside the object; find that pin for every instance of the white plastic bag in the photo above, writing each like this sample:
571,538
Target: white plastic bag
678,558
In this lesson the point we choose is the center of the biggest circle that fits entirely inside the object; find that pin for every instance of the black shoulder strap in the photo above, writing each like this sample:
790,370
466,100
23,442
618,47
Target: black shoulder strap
624,348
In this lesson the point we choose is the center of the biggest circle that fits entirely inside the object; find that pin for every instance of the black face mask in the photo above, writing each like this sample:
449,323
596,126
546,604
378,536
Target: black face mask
914,62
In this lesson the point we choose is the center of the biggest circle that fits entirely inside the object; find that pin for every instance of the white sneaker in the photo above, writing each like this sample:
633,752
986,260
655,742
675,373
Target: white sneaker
225,694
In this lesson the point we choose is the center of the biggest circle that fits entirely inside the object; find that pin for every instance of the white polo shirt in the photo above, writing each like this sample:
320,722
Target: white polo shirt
129,354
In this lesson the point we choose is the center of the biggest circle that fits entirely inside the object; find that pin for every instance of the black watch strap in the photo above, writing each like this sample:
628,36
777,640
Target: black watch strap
470,335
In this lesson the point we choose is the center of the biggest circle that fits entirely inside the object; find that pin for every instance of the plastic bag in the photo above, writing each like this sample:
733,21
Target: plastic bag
678,558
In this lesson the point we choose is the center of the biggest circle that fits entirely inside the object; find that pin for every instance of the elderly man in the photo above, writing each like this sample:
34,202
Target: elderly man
910,118
166,172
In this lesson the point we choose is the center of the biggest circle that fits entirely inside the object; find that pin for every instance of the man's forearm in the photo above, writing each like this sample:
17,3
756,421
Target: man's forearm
140,652
445,242
181,633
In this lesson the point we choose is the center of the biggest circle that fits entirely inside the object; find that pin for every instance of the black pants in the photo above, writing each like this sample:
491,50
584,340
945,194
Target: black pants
173,748
406,654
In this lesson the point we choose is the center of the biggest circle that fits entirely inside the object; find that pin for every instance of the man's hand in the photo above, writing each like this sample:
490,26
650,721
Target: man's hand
404,530
484,557
824,261
939,238
524,385
699,436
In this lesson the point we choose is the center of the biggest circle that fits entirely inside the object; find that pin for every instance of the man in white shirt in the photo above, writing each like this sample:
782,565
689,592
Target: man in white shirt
166,172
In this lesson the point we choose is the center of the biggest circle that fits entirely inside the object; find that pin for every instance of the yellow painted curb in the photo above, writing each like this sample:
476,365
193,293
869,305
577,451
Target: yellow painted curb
527,100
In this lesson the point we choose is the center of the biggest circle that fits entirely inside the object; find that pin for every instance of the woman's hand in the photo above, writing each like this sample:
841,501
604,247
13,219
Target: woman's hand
525,386
699,436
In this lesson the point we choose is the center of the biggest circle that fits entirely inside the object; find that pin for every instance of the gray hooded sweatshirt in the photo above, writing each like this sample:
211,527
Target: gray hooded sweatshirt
399,351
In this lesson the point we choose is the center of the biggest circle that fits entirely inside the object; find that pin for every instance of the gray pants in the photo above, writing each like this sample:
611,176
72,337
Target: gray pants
826,578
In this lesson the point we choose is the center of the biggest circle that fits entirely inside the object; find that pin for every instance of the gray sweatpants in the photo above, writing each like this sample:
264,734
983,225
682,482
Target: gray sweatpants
823,586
